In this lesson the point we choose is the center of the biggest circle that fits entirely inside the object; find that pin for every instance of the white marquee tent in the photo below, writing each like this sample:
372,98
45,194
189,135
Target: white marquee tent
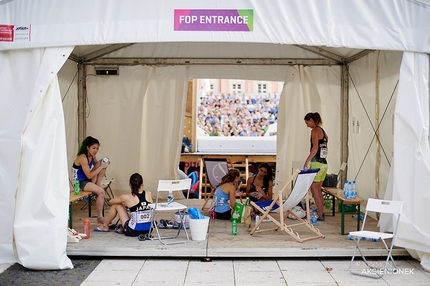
362,64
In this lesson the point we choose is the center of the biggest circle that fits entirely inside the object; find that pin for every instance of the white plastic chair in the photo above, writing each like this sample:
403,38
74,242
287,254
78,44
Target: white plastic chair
172,186
379,206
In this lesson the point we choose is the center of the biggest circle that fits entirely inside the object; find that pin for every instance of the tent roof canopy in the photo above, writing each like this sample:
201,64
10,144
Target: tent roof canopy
282,30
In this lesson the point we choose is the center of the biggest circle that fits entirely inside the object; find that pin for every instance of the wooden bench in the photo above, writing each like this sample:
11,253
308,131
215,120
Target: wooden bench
338,193
73,198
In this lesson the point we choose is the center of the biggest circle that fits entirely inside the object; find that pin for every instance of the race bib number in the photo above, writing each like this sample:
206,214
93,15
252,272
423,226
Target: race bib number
323,152
143,216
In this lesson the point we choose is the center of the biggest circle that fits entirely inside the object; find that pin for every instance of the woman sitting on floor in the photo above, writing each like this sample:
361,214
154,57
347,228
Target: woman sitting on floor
225,194
259,186
139,221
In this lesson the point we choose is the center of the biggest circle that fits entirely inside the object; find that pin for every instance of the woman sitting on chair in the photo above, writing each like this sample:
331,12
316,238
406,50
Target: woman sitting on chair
139,221
90,172
225,194
259,186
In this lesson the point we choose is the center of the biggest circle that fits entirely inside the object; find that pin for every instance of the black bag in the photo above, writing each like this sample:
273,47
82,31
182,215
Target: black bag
330,180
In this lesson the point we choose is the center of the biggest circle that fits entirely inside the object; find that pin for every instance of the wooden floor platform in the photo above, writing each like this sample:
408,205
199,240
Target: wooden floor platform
221,244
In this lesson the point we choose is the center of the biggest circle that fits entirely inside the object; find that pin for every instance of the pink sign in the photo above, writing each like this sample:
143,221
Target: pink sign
214,20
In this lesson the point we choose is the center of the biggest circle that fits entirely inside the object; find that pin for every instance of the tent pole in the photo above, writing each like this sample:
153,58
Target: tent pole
344,101
194,115
81,103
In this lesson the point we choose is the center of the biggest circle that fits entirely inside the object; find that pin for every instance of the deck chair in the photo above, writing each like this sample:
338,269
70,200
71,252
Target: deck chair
215,169
171,186
380,206
303,181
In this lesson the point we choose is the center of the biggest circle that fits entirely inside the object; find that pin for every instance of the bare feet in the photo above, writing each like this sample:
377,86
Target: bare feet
101,220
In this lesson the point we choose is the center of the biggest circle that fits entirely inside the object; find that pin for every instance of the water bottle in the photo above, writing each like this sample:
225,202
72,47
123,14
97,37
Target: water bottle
345,190
234,227
257,219
87,228
327,203
170,198
355,216
313,217
354,190
350,237
349,191
77,187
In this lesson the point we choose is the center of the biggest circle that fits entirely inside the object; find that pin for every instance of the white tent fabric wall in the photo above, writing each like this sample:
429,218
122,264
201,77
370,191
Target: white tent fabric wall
372,83
138,119
40,106
410,172
15,101
68,81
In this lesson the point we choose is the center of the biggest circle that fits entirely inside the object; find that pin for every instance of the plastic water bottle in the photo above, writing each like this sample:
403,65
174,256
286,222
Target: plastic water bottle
77,187
349,192
355,216
345,190
170,198
327,203
234,227
354,190
257,219
87,228
350,237
313,217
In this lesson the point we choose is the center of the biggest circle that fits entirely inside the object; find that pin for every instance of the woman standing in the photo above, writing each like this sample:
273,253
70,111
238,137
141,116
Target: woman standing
317,158
90,172
259,186
225,194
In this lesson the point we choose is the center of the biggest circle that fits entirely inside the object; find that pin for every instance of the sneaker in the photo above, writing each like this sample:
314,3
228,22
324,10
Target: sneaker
321,218
146,236
162,224
119,229
169,224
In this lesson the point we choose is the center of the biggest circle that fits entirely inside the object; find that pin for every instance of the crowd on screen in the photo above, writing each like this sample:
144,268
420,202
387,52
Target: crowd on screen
237,114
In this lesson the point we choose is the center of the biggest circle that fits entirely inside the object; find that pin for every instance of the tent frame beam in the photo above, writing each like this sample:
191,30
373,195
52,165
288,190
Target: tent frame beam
207,61
320,51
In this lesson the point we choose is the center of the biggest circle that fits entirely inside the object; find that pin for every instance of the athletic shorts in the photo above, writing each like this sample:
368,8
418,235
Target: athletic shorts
131,232
322,172
225,216
83,183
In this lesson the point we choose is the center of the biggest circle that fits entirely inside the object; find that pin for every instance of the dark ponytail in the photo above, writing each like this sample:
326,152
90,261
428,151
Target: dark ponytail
88,142
315,116
136,181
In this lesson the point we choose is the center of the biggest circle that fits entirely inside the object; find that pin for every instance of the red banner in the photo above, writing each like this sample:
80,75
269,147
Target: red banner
6,33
